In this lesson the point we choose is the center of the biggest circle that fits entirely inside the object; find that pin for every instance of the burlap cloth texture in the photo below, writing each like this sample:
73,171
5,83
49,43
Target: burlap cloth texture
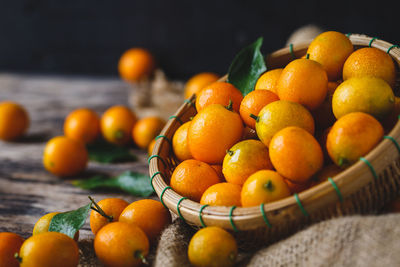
346,241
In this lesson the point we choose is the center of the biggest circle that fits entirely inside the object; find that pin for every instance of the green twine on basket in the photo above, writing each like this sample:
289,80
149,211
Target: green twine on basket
393,46
162,194
152,177
300,205
370,167
177,118
372,40
156,156
231,219
178,209
200,217
165,137
291,51
340,196
264,215
393,141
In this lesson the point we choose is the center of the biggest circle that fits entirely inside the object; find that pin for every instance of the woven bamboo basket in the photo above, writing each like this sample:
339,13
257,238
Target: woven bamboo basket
365,187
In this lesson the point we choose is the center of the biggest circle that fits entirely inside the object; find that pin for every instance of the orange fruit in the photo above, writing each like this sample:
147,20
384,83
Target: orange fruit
64,156
212,131
219,93
353,136
42,225
192,177
280,114
244,159
82,124
295,154
212,246
263,187
331,49
117,124
120,244
222,194
326,172
180,142
149,214
198,82
151,147
49,249
297,187
136,64
146,129
218,169
253,102
303,81
112,208
364,94
10,243
370,61
268,80
14,121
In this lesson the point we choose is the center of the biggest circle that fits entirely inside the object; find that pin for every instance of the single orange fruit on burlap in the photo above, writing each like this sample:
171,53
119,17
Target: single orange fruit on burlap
280,114
180,142
146,129
263,186
212,131
149,214
353,136
219,93
10,243
296,154
222,194
198,82
253,102
268,80
331,49
366,94
112,207
303,81
212,246
82,124
370,61
244,159
192,177
121,244
136,64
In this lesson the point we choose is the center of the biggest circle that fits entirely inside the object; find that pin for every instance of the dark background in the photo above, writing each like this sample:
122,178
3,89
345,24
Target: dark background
87,37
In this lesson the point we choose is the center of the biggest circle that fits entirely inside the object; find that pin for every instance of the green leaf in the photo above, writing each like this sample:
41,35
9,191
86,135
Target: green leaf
70,222
246,67
104,152
136,184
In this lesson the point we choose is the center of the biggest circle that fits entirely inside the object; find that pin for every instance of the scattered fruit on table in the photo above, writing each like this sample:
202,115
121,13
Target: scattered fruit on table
146,129
14,121
198,82
82,124
117,124
136,64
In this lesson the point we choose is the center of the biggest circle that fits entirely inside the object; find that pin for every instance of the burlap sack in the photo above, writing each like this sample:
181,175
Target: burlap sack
347,241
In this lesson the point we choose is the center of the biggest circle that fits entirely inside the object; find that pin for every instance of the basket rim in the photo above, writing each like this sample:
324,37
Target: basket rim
302,204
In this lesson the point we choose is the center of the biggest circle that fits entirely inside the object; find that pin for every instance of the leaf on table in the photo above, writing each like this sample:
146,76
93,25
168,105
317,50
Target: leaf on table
136,184
70,222
104,152
246,67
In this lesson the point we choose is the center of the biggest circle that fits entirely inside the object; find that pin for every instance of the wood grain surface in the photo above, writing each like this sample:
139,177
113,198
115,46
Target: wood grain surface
27,190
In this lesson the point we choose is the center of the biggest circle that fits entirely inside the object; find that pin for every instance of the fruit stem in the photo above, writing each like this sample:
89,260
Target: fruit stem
100,210
19,259
229,106
307,56
230,152
138,255
119,134
255,117
269,186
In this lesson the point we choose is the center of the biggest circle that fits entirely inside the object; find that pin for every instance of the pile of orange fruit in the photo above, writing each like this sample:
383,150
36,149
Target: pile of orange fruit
303,123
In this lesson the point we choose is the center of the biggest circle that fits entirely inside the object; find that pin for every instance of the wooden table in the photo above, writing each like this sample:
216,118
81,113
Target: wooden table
27,190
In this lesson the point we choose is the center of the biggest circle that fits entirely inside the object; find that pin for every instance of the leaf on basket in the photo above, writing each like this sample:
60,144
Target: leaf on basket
136,184
70,222
246,67
104,152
